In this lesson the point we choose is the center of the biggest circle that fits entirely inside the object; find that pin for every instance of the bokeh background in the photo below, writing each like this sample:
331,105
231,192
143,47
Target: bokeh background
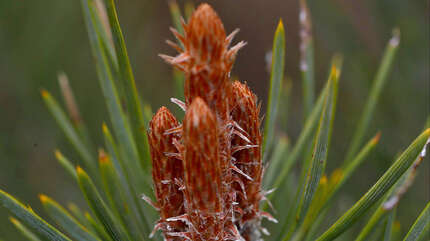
40,38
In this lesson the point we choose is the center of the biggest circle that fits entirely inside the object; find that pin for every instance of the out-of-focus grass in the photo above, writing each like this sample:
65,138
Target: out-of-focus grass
38,40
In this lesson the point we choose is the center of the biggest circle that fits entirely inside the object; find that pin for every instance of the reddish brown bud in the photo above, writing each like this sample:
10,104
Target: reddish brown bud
245,112
205,34
219,142
202,159
206,59
202,170
165,168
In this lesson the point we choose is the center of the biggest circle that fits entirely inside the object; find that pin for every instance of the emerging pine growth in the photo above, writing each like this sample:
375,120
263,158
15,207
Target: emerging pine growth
218,146
166,170
207,169
205,59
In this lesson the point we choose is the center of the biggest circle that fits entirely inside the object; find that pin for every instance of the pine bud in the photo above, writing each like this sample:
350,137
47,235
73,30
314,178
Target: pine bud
166,169
206,59
202,171
245,112
219,141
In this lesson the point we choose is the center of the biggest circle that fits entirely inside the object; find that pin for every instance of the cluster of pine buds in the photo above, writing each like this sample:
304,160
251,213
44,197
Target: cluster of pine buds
207,171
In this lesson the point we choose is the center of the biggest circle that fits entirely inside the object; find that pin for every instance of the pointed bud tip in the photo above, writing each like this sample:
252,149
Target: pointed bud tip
198,111
241,88
205,15
162,110
205,23
163,120
243,96
204,8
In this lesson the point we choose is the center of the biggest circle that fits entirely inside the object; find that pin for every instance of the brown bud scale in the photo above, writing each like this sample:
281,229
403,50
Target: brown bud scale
207,171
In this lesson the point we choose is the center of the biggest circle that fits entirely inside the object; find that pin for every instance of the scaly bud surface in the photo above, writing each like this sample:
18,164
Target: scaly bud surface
206,59
216,153
245,112
202,171
166,169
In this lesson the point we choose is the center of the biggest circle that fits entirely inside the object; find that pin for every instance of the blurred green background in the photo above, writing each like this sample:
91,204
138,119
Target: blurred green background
40,38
